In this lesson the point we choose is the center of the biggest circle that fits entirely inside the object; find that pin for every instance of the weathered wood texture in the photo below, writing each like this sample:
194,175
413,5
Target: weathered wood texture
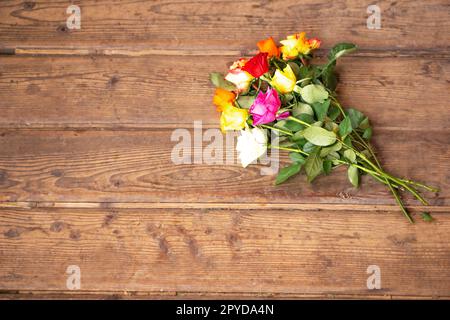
136,166
160,91
284,252
217,25
86,176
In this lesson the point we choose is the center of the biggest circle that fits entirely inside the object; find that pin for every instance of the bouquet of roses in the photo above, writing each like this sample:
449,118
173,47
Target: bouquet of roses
280,90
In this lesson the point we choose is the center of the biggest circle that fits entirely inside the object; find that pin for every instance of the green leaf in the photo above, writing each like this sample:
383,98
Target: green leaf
345,127
313,93
308,147
333,112
333,155
298,136
289,125
426,216
288,172
348,141
306,118
306,72
300,142
327,166
356,117
321,109
353,175
366,153
329,78
246,101
287,144
219,81
313,165
293,125
340,49
332,126
350,155
286,97
297,157
367,133
295,68
365,123
335,147
300,108
319,136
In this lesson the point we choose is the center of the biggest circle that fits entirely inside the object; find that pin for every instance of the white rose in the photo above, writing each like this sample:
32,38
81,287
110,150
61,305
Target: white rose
251,144
240,78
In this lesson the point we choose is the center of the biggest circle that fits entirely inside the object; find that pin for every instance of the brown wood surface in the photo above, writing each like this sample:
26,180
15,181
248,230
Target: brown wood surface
284,251
155,91
217,25
86,176
136,166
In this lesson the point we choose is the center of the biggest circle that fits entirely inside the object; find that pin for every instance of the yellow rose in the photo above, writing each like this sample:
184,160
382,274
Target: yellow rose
284,81
289,48
233,118
298,44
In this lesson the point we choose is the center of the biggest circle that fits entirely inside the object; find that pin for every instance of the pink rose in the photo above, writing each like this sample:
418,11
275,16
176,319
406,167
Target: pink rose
265,107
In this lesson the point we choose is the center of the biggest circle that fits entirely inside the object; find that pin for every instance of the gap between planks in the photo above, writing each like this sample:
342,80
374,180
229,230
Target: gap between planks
140,52
184,295
156,126
216,205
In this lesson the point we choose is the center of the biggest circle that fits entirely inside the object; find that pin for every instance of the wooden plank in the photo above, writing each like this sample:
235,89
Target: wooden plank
161,91
224,251
136,166
178,295
205,25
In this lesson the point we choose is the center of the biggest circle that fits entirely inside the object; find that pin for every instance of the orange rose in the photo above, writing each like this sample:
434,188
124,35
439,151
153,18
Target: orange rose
223,97
314,43
269,46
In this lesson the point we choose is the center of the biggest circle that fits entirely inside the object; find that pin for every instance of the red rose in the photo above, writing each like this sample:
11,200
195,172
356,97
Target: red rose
257,65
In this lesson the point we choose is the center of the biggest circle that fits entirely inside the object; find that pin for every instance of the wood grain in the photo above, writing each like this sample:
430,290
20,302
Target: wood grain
212,25
161,91
86,176
252,252
136,166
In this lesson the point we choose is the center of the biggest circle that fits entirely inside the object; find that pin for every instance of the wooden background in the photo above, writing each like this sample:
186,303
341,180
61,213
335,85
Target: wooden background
86,177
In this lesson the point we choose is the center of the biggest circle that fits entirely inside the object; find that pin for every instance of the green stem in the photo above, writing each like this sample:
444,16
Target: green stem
432,189
276,65
386,175
378,166
400,203
374,174
299,121
377,169
369,147
409,188
289,149
259,86
386,182
336,102
277,129
378,173
263,78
